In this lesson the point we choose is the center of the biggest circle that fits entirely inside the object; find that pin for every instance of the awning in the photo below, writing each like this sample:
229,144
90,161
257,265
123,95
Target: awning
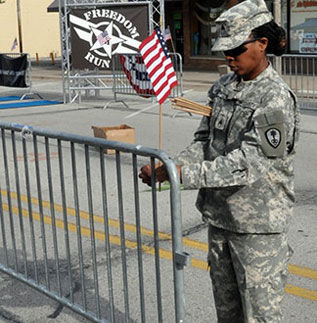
53,7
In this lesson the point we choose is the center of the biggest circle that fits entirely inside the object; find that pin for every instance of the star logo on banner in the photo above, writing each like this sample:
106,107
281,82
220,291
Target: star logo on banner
112,40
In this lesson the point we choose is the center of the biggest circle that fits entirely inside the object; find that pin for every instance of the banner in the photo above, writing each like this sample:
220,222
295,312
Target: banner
135,70
99,33
13,70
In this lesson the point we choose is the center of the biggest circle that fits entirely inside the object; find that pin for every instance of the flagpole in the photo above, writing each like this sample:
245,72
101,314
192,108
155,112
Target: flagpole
160,135
19,26
173,47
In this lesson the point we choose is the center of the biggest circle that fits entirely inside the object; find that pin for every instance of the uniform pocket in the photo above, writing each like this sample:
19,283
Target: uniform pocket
240,123
263,299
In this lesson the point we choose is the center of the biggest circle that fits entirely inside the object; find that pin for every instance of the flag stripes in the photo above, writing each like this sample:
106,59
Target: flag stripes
159,65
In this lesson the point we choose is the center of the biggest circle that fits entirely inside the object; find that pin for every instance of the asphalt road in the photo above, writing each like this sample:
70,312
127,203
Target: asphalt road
19,303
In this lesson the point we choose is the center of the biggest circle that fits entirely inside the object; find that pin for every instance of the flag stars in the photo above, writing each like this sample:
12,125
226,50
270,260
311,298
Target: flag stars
162,41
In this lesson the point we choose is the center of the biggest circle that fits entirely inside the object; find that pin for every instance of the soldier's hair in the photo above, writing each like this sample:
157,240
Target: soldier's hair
276,36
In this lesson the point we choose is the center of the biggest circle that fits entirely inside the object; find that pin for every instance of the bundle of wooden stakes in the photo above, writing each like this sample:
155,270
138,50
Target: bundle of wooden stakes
191,106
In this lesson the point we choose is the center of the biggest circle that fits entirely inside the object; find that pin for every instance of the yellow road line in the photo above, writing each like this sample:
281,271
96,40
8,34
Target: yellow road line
165,254
301,292
87,232
293,269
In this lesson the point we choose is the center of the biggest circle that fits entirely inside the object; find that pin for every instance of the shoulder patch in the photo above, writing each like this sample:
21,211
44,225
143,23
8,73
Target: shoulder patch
271,128
273,136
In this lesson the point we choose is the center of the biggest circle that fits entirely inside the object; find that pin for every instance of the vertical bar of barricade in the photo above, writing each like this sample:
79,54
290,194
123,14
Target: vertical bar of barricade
156,244
177,241
17,184
313,79
77,216
66,233
3,231
107,235
301,78
139,239
39,195
8,191
296,75
53,222
31,223
307,79
92,231
122,236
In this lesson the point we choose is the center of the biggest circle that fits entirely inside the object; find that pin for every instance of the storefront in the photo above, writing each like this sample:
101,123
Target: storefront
192,25
303,27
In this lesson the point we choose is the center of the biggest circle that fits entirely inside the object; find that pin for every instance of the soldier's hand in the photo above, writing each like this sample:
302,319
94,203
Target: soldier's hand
145,174
160,173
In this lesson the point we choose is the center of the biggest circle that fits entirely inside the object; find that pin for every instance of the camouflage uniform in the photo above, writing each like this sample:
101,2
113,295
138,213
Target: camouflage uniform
241,160
232,161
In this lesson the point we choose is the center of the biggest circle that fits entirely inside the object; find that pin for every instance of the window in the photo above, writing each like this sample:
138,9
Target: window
203,28
303,26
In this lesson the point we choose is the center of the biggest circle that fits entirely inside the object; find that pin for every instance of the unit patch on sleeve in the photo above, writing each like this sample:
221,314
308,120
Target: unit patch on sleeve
271,128
273,136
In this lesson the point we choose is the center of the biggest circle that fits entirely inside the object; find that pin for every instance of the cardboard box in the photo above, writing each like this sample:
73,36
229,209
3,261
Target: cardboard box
122,133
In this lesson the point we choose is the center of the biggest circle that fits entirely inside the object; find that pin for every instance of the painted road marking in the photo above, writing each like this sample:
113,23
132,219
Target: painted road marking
196,263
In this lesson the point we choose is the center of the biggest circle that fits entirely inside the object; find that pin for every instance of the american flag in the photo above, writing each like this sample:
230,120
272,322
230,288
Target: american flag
14,44
103,37
159,65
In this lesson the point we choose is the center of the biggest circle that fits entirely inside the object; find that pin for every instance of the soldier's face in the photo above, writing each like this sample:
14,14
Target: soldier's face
249,59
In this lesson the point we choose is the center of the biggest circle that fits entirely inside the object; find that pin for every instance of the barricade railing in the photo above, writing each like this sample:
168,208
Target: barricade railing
131,78
88,82
77,225
299,72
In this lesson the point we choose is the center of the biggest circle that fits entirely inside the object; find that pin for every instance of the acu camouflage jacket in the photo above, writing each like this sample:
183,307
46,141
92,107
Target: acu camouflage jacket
241,159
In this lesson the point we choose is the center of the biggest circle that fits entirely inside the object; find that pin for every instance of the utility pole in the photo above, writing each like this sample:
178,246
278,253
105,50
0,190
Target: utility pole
19,26
277,18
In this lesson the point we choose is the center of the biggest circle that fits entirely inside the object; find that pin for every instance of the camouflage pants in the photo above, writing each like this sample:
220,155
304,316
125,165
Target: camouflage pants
248,273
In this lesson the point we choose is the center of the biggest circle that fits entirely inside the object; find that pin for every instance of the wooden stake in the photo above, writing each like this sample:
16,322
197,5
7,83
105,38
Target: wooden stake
160,135
160,128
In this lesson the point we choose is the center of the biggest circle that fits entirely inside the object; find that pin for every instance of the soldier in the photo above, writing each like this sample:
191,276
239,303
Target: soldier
241,160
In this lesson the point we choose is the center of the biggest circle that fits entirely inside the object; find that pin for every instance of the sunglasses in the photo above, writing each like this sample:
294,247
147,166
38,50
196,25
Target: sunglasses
239,50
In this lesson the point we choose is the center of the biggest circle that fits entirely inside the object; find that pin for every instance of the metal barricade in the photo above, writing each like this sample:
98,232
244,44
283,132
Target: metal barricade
76,226
137,82
89,82
299,72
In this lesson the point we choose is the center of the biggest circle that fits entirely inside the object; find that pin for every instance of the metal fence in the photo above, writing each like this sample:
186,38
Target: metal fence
299,72
137,81
77,225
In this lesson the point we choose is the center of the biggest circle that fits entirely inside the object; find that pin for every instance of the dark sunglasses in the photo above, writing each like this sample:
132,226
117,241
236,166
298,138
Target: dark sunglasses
239,50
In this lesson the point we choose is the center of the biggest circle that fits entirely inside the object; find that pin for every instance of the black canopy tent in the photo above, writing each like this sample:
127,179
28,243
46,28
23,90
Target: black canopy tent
53,7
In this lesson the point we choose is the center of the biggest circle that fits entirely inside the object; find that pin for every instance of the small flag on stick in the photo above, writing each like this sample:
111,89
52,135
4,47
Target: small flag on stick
159,65
167,34
103,37
14,44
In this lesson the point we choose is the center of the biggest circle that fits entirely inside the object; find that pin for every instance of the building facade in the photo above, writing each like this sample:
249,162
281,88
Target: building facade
191,22
39,30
